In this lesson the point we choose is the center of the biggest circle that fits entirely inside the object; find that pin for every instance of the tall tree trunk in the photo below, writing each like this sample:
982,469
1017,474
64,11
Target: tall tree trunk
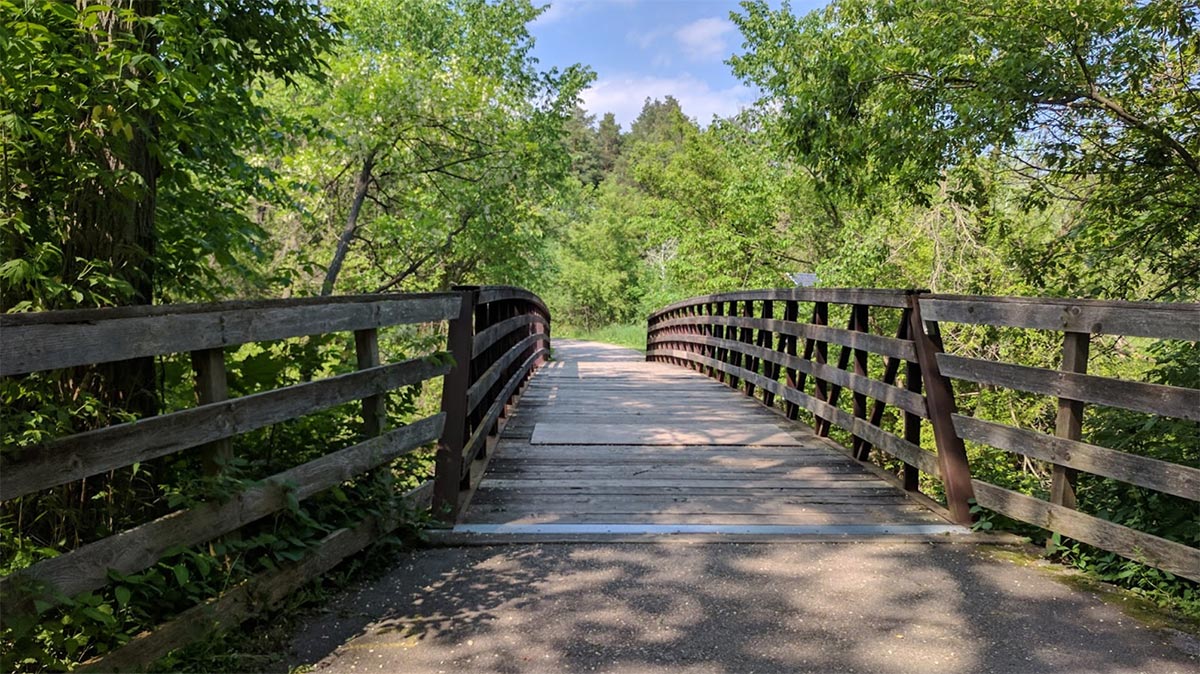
117,227
361,184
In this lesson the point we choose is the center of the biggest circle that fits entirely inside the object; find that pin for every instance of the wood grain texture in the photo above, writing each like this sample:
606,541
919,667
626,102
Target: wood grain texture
646,451
1164,476
85,454
491,335
251,597
1179,559
1136,319
886,346
1172,401
86,568
872,297
891,394
51,340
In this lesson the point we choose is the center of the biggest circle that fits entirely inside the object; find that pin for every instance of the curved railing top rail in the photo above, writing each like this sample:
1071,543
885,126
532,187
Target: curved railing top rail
879,297
759,352
489,294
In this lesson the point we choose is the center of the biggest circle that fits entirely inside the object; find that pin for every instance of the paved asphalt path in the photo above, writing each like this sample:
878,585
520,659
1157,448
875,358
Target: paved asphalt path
709,608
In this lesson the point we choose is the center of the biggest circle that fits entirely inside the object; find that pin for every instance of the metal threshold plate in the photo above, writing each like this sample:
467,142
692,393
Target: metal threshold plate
726,529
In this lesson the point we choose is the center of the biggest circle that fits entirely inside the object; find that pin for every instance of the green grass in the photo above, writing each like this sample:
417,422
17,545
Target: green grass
631,336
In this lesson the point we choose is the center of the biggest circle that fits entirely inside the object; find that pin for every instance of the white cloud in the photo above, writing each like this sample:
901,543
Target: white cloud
624,96
644,39
704,39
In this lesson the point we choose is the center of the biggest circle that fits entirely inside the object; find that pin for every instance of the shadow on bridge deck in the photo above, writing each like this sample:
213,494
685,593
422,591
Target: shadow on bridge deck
604,445
729,608
845,601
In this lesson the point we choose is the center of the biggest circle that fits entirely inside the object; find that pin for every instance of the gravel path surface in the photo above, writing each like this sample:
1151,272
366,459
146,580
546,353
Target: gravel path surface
708,608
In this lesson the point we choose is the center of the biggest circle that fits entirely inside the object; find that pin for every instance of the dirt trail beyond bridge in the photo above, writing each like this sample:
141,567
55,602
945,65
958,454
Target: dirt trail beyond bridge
622,527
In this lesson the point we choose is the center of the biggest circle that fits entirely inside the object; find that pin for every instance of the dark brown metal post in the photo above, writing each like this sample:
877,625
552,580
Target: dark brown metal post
860,319
891,368
818,351
912,422
787,344
951,454
769,369
449,459
746,336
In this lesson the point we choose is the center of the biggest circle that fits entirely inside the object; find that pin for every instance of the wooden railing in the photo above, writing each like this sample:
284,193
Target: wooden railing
504,335
497,336
756,340
1078,321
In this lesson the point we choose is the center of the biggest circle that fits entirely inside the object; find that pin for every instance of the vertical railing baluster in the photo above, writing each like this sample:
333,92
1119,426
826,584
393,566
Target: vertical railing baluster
820,354
787,344
912,422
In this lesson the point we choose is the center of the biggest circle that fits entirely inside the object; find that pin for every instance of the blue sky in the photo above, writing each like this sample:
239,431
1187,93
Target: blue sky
654,48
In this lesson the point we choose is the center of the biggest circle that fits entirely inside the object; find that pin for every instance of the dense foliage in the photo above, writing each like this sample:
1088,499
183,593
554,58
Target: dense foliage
173,151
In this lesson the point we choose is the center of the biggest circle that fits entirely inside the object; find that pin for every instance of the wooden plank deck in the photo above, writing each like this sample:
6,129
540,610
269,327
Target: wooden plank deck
603,442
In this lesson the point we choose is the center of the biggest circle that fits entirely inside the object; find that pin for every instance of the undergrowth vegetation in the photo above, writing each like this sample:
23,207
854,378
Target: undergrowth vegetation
177,151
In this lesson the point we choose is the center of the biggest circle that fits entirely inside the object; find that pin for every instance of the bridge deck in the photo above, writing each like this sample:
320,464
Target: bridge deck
604,443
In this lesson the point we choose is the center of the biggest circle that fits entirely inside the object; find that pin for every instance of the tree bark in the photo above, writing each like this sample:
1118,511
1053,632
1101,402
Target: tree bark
361,184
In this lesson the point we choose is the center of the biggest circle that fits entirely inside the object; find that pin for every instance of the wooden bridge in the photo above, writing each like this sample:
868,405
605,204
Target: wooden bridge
751,416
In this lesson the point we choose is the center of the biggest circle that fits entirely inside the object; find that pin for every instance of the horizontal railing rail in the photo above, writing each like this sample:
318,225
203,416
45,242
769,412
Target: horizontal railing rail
503,334
1073,388
777,342
757,341
497,336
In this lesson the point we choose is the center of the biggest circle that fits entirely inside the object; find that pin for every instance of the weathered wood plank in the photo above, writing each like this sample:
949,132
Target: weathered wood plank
1161,553
880,344
490,336
65,339
86,568
1136,319
489,294
480,434
893,395
481,387
1172,401
1164,476
94,452
695,433
873,297
251,597
898,447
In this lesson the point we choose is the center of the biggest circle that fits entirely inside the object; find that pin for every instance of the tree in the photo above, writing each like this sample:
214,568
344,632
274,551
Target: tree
581,138
1092,103
437,142
609,141
124,130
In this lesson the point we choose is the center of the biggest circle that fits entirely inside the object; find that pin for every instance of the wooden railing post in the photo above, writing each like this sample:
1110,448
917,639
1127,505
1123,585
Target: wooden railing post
212,386
1069,424
448,462
374,408
951,453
